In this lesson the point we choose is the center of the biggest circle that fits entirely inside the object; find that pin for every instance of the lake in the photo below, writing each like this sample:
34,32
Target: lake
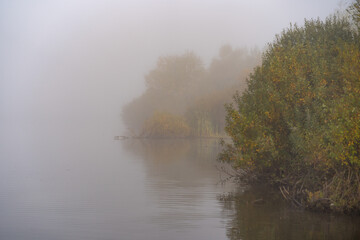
100,188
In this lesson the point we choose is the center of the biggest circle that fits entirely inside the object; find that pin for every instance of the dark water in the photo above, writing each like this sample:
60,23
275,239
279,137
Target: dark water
101,188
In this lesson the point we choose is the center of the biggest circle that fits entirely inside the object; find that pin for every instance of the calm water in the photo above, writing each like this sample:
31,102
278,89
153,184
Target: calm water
99,188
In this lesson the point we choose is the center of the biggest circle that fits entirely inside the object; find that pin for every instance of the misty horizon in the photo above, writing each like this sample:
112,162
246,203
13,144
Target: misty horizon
74,58
115,122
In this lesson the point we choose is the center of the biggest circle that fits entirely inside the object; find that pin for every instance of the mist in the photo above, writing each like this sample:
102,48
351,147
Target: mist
69,68
69,63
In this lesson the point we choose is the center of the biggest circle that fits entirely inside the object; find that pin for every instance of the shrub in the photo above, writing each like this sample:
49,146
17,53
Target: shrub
298,124
163,124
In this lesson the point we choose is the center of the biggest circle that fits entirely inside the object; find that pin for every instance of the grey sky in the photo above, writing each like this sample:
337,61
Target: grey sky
83,59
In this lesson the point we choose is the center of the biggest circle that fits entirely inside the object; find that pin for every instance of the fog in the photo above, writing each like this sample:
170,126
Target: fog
71,65
68,67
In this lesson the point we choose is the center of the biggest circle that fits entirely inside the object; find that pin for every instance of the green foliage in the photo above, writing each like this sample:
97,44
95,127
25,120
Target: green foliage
299,118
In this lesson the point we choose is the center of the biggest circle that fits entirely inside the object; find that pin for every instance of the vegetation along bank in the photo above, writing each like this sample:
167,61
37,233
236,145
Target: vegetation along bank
294,121
297,126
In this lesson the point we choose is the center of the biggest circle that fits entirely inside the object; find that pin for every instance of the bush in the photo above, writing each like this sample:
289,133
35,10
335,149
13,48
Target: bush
298,124
163,125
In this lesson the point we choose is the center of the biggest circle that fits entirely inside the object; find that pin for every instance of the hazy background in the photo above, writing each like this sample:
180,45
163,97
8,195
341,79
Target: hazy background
67,67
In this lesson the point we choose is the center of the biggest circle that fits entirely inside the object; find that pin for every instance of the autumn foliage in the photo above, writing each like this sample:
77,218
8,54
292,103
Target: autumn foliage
297,125
180,86
165,125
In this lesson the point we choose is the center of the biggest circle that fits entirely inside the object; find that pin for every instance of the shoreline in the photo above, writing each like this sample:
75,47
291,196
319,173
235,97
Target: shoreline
120,137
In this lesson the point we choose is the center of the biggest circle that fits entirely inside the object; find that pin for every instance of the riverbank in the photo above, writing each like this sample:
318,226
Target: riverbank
122,137
297,127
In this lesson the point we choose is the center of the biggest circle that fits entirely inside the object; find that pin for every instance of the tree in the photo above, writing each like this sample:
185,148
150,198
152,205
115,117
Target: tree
175,74
169,89
230,68
163,124
297,123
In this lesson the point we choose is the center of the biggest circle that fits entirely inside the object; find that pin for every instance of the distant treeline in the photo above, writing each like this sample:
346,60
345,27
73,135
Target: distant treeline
185,99
297,125
294,123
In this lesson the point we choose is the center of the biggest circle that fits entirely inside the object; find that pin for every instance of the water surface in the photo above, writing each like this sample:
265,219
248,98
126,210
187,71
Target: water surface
100,188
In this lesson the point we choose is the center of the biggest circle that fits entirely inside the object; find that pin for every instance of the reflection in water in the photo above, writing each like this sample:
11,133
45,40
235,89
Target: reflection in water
180,174
182,181
90,188
181,163
262,214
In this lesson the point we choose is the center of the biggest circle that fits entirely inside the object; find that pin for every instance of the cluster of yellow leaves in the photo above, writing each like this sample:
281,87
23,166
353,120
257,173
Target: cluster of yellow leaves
163,124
